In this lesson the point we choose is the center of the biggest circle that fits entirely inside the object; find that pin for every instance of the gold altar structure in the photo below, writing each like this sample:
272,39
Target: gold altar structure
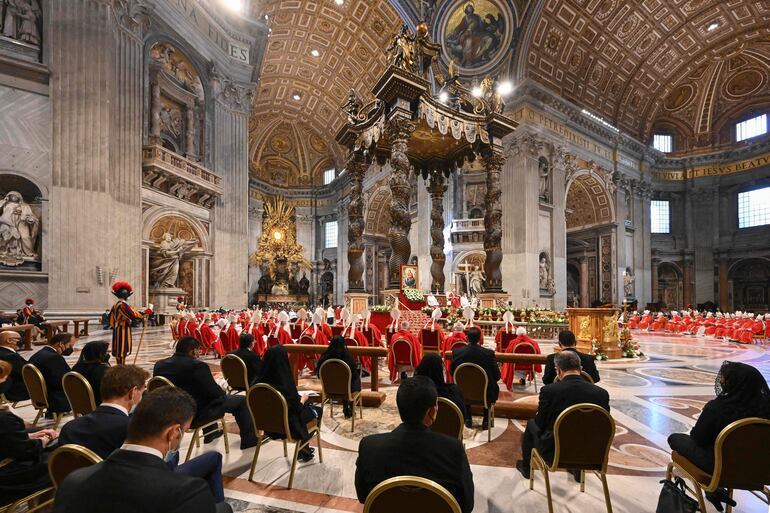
600,324
422,118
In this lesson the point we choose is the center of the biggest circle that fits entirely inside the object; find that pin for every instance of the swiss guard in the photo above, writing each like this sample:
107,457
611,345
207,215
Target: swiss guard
122,316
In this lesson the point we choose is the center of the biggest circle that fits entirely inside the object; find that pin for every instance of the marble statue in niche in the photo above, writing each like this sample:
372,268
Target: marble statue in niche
546,282
476,281
543,171
165,258
19,229
304,285
628,283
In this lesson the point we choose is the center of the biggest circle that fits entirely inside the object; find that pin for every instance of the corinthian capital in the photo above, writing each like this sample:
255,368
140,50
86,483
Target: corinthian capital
399,128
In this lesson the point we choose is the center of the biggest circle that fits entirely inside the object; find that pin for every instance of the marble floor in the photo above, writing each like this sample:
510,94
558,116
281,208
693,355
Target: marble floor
650,399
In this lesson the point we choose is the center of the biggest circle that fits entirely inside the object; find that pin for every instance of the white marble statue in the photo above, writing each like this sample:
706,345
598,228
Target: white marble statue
543,171
164,260
544,274
628,283
476,282
19,228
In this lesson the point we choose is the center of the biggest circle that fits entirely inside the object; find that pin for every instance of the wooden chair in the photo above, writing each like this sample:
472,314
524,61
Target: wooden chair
196,428
403,354
430,341
389,336
235,373
31,503
410,493
68,458
738,464
583,374
473,381
583,435
336,377
527,348
273,341
79,393
270,414
449,420
296,331
337,330
369,334
306,339
38,393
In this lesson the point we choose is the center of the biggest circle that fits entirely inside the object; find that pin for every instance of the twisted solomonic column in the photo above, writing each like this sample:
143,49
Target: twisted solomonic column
493,163
399,130
437,187
356,166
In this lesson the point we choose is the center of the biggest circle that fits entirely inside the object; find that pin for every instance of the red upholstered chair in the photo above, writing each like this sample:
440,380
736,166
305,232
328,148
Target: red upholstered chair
296,331
526,348
351,342
337,330
403,355
430,341
389,336
505,339
272,341
306,339
370,337
457,344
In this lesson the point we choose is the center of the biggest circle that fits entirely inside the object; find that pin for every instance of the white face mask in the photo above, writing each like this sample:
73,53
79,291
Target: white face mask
172,453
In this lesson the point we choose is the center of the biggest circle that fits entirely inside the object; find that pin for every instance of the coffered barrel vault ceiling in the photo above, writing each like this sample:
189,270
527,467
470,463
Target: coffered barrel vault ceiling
349,40
622,60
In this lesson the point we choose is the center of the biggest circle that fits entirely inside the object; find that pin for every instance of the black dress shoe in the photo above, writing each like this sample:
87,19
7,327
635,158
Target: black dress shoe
524,471
213,436
469,424
403,376
719,496
305,455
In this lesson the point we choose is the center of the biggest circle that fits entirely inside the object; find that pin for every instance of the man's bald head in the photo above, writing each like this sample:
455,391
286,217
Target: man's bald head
9,339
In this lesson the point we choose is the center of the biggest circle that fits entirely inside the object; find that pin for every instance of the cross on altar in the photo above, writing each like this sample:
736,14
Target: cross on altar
466,268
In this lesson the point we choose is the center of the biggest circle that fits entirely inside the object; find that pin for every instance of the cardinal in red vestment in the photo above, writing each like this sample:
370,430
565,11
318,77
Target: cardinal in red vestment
255,328
281,330
457,337
208,339
469,315
434,327
374,332
522,373
404,334
350,332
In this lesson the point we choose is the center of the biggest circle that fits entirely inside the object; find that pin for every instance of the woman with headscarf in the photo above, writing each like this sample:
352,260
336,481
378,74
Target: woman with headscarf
338,350
432,367
93,364
276,372
741,392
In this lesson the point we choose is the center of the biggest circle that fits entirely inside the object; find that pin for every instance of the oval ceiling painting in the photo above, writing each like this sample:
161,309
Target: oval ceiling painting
475,34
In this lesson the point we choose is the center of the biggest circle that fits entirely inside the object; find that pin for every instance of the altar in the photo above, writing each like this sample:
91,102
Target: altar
596,324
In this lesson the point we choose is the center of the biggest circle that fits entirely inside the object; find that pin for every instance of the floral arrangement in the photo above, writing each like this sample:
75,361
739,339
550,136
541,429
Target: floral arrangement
627,345
381,308
414,295
598,350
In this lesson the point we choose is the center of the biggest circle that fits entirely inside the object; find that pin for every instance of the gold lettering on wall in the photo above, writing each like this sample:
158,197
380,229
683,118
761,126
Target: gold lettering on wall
531,116
717,170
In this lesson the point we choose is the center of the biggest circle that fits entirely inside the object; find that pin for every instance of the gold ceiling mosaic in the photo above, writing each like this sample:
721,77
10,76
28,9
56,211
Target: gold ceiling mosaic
624,60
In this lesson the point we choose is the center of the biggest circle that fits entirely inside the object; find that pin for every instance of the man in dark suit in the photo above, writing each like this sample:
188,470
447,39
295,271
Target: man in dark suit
567,342
185,371
554,399
105,429
13,388
246,353
136,477
52,365
413,449
485,358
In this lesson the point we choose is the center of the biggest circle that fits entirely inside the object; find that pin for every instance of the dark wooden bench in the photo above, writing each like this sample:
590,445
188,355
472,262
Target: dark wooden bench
51,327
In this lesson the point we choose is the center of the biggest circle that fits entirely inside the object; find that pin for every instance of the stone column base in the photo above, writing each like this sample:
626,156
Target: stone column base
493,299
357,301
164,299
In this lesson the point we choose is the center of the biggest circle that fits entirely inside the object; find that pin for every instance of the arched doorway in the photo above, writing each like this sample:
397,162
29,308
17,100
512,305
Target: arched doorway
751,285
377,245
573,285
590,215
463,265
192,270
669,285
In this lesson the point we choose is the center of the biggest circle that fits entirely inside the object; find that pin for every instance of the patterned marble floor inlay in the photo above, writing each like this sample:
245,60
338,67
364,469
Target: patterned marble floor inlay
650,399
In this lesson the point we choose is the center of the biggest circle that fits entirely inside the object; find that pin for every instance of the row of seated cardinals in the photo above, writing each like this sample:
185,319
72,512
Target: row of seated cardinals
740,326
405,348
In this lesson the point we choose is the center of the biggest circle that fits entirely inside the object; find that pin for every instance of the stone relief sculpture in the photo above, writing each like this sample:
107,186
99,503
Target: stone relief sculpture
19,229
164,260
19,20
628,283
